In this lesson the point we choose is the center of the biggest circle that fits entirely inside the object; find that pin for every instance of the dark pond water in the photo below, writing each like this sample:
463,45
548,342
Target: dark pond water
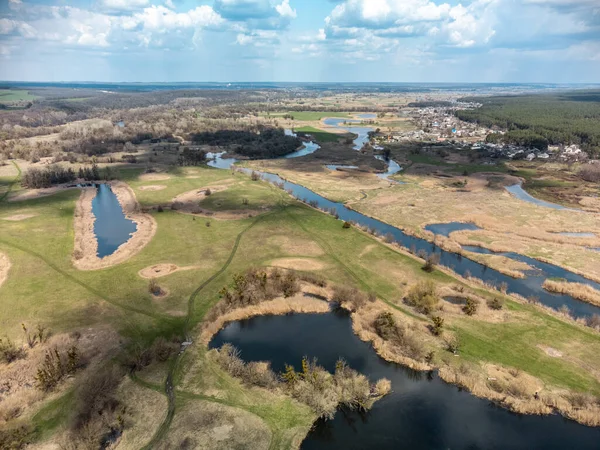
111,227
422,412
444,229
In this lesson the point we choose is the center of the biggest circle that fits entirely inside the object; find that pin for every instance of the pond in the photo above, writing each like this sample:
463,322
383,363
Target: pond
111,227
422,412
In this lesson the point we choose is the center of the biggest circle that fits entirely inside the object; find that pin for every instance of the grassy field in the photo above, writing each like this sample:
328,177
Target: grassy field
43,287
319,135
15,95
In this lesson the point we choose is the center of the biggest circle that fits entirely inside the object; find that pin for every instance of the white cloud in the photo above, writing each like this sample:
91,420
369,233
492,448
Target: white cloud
124,5
285,10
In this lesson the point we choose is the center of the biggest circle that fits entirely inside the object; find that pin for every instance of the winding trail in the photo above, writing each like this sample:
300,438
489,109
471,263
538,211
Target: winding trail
12,183
169,386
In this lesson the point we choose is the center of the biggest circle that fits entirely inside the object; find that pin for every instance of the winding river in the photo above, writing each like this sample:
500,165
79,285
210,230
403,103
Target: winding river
422,412
529,287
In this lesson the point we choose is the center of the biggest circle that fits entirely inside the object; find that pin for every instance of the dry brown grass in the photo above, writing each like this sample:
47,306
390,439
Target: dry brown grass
521,392
577,290
19,394
201,424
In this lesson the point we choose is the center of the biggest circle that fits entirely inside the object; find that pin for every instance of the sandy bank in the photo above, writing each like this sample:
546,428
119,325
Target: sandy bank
30,194
154,187
162,270
4,268
18,217
154,177
86,246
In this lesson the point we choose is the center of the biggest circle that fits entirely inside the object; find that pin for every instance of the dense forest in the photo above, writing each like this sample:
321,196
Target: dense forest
269,143
534,120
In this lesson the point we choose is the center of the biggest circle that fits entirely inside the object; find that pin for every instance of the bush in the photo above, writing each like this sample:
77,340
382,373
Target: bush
452,345
423,297
385,326
593,321
590,172
470,307
437,325
346,225
496,304
56,367
431,261
349,296
96,410
9,352
313,278
154,288
16,438
207,192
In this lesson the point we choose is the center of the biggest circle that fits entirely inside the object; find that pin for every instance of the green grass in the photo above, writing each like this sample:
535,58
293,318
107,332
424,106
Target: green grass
43,287
320,135
15,95
309,116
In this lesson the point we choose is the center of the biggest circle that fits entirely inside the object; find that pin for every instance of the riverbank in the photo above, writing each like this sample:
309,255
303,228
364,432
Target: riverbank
577,290
85,253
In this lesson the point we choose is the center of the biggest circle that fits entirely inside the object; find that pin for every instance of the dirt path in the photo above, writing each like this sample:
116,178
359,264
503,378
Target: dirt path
11,185
86,245
169,386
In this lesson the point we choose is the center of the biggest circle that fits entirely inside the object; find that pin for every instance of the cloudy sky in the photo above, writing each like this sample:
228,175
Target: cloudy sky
300,40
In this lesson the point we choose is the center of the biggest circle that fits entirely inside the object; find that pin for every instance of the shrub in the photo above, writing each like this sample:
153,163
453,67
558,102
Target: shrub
346,225
503,287
437,325
245,201
313,278
160,208
56,367
385,326
431,261
423,297
593,321
349,296
470,307
16,438
154,288
9,352
495,303
207,192
96,410
590,172
452,345
255,176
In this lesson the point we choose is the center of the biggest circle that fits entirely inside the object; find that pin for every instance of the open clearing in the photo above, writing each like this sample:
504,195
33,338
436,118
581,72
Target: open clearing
213,408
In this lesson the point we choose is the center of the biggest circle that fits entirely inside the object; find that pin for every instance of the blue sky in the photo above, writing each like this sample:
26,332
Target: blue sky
301,40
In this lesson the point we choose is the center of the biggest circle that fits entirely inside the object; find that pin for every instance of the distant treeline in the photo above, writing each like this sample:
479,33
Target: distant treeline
44,178
429,104
539,120
268,143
